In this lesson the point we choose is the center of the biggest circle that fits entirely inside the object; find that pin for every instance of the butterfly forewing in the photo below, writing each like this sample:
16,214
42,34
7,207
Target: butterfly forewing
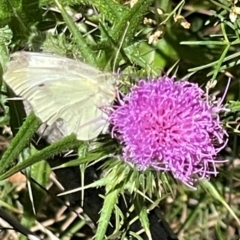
59,88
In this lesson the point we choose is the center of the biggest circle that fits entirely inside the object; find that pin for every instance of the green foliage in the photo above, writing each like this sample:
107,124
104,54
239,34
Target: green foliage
21,15
113,36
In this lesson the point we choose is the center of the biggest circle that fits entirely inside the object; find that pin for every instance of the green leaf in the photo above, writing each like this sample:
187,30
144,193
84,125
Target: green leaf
213,191
28,218
83,160
86,52
19,142
6,9
40,172
16,112
109,202
65,144
140,207
134,16
234,106
122,33
110,10
135,235
24,14
5,39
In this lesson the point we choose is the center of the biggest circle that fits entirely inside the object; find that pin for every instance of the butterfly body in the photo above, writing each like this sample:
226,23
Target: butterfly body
59,88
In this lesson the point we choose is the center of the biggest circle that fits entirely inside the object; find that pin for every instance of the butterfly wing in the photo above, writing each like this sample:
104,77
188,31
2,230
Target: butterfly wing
61,88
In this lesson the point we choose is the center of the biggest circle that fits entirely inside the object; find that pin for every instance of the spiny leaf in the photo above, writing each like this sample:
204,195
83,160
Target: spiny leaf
65,144
141,210
109,202
20,141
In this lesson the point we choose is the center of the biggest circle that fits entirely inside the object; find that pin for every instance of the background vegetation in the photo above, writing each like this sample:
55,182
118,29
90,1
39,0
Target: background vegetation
196,40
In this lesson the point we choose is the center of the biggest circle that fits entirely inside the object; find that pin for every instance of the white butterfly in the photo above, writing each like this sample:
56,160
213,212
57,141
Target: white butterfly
59,88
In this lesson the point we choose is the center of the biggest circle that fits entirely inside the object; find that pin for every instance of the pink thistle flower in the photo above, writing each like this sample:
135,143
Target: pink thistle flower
170,126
